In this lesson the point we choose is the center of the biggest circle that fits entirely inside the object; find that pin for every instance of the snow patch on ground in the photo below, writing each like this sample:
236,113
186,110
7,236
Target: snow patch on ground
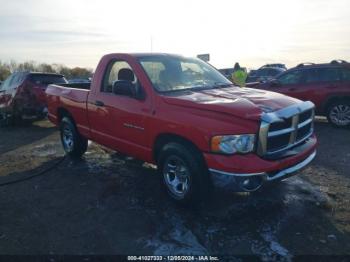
175,238
44,150
269,235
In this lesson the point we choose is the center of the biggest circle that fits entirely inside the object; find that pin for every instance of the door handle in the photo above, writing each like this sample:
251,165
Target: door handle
99,103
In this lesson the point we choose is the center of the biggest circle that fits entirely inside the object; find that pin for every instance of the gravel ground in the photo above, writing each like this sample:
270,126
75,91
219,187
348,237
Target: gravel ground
110,204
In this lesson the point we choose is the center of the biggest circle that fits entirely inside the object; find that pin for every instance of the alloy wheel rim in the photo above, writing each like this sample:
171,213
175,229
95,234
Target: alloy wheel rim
176,176
340,115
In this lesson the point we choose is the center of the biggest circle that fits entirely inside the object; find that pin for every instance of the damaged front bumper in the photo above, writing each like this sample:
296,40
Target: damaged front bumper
238,182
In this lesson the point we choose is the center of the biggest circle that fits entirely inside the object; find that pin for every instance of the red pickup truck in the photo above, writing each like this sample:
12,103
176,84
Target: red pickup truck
184,116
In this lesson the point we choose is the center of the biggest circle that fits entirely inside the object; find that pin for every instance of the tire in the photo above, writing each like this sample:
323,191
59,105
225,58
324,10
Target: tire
73,143
16,119
184,174
16,115
338,113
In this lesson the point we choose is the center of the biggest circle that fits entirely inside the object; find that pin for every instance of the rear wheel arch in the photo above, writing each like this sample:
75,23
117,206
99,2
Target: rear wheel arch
62,112
337,111
74,144
331,100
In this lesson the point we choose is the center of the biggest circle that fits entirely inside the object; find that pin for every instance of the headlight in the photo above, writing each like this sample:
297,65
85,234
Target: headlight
233,144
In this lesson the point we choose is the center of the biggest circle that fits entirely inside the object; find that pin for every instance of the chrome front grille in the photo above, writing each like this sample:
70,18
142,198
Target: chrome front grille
285,128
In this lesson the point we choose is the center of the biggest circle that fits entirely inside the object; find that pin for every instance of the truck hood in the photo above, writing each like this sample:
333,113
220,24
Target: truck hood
246,103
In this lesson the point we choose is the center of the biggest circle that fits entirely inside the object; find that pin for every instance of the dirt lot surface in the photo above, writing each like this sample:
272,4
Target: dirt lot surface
109,204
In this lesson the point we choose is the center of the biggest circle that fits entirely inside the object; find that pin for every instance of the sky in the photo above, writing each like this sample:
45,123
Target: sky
251,32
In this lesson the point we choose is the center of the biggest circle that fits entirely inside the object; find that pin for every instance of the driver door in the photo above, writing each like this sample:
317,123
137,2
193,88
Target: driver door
119,121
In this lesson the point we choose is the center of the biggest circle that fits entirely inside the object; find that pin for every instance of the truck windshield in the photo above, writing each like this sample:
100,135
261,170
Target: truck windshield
172,73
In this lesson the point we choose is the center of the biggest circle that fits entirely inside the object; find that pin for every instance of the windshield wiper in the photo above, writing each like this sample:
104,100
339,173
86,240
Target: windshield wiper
220,84
201,87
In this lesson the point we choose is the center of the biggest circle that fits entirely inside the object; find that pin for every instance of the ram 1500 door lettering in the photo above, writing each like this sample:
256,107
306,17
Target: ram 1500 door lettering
184,116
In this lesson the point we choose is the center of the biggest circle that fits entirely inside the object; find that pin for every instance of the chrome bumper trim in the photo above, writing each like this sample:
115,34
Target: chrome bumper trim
293,169
282,173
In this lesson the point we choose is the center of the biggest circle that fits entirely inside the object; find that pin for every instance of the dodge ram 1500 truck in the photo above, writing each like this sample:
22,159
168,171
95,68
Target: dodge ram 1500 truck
184,116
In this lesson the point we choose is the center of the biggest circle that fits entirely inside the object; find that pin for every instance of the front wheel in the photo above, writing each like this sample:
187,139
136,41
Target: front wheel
338,113
184,174
73,143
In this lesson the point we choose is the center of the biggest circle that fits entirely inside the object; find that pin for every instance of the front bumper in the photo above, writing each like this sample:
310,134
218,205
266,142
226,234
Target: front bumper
251,181
246,182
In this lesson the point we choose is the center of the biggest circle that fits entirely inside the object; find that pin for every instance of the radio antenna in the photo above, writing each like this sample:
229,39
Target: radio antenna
151,44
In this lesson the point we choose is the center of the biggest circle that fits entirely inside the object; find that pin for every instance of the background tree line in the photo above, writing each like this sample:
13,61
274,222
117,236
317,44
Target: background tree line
7,68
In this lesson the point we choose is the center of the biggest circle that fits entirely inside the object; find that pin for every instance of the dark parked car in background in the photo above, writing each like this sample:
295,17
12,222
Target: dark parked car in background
264,74
278,65
22,95
227,72
326,85
79,81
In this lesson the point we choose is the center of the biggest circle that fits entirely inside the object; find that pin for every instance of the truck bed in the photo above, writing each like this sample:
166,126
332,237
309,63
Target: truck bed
73,99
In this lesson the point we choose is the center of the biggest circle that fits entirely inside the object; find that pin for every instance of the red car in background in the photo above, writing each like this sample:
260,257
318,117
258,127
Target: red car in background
326,85
22,95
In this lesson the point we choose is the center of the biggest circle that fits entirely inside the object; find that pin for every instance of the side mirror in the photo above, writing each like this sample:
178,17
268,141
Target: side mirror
127,88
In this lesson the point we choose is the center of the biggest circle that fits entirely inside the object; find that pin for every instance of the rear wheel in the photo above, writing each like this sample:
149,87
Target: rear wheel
338,113
73,143
184,174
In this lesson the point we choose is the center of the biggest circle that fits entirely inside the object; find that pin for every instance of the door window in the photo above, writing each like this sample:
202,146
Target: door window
7,84
319,75
312,76
345,74
273,72
117,70
329,74
294,77
17,80
262,72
